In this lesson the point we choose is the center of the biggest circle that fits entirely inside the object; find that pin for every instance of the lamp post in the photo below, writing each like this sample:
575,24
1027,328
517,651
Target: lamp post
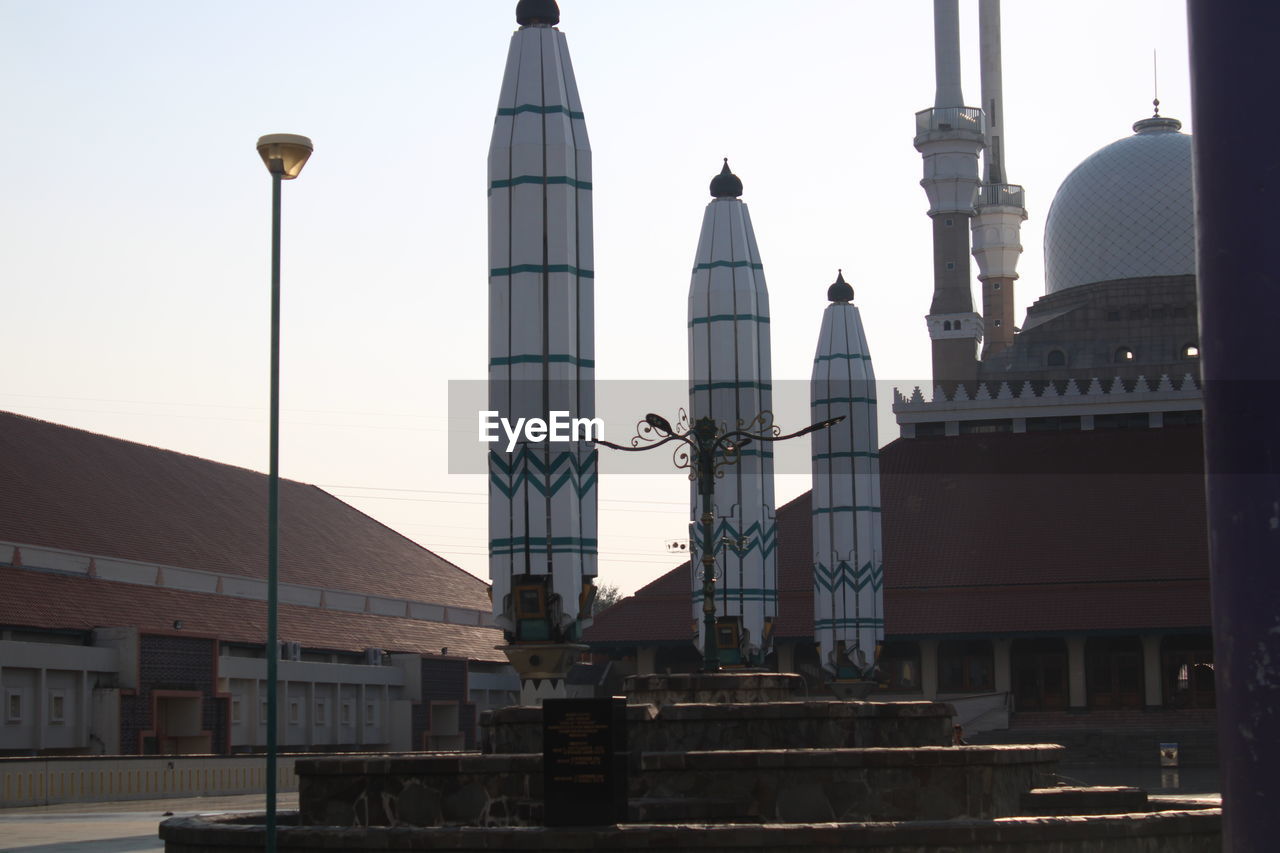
285,154
705,452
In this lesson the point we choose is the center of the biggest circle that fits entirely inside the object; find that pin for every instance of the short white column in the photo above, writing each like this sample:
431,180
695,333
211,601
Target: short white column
1077,699
1154,689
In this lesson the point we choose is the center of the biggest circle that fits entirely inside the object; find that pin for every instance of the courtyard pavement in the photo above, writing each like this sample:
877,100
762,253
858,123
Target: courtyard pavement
121,827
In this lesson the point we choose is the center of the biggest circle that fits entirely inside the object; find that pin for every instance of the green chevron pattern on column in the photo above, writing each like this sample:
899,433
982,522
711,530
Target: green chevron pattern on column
760,537
546,477
844,575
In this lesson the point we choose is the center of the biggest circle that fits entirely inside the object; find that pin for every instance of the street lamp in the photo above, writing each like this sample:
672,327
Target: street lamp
708,449
285,154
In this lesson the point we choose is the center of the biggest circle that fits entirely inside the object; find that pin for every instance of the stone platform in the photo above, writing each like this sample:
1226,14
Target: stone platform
769,725
727,761
735,687
757,785
1166,832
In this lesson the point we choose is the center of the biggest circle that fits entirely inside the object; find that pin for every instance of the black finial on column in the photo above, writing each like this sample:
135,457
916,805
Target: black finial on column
726,184
840,290
531,12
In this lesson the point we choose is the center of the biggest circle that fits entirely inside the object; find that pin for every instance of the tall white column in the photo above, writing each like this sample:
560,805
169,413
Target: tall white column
949,137
542,494
730,380
992,89
848,572
999,212
946,53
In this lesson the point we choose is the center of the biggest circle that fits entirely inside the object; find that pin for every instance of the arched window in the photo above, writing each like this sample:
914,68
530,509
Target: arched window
1124,354
1190,351
1113,672
946,325
899,664
965,666
1057,358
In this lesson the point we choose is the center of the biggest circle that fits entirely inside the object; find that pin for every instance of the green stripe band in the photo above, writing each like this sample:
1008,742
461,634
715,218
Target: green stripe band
863,622
732,386
733,592
826,509
552,358
846,356
503,183
550,109
541,268
717,318
729,264
849,454
827,401
542,540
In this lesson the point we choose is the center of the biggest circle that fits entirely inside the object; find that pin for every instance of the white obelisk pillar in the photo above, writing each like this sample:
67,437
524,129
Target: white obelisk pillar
730,381
848,599
542,494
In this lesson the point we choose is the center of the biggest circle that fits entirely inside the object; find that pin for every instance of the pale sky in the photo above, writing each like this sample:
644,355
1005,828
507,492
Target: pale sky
135,212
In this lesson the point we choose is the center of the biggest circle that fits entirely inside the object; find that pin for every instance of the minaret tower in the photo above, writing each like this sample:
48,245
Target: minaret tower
949,137
1000,211
848,598
730,381
542,494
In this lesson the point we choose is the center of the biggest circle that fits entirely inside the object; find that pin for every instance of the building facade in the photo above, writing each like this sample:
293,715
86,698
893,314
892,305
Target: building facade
133,617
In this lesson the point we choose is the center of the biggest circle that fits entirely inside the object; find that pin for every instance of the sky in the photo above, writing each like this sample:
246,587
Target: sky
135,212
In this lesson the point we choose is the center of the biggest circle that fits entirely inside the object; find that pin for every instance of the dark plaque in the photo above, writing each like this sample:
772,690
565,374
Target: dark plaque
584,761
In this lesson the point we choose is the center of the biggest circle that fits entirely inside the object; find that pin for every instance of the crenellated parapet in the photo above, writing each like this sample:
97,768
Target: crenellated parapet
1052,404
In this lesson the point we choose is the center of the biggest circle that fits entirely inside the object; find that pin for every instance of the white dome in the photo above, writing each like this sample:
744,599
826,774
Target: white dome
1125,212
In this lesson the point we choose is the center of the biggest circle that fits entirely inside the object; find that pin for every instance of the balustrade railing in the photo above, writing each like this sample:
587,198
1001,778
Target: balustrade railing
944,119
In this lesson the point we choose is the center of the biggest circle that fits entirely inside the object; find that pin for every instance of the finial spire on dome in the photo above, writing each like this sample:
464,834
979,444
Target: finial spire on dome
1155,83
533,12
840,290
1157,123
726,184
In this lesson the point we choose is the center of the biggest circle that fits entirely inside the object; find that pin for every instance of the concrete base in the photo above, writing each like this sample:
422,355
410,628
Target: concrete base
851,688
717,687
1168,832
542,660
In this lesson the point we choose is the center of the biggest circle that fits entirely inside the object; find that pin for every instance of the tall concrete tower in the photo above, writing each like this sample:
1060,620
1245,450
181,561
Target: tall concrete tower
950,136
848,575
730,381
542,494
1000,211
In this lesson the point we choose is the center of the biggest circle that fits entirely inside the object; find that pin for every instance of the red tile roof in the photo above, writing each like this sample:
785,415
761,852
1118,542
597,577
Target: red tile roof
660,612
1002,532
67,489
73,490
36,599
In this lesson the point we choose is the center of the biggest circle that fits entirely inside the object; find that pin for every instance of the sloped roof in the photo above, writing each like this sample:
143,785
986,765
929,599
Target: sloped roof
79,491
35,599
71,490
1003,532
658,612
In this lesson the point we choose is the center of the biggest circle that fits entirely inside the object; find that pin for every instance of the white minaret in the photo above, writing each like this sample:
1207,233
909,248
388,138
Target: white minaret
730,380
542,495
950,136
848,575
1000,212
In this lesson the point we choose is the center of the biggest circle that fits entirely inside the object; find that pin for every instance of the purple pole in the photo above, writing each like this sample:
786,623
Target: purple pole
1237,185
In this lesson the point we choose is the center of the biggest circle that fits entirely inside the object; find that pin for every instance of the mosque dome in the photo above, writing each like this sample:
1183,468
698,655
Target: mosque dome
1125,212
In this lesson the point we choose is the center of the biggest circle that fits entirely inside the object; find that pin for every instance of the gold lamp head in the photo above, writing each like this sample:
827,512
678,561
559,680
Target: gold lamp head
284,153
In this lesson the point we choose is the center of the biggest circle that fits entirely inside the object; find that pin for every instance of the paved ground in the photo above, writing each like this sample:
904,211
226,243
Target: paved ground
124,827
130,827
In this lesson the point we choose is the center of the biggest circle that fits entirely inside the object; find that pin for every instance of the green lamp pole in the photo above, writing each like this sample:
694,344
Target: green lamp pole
285,154
708,450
